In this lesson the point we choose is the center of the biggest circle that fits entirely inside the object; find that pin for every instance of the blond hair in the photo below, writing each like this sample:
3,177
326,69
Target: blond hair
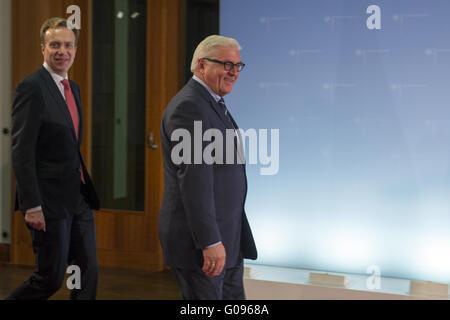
54,23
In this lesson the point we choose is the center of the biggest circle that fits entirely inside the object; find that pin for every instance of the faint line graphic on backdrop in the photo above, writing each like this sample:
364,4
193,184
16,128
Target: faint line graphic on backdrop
266,86
436,52
332,87
365,52
401,88
333,19
299,52
403,17
269,21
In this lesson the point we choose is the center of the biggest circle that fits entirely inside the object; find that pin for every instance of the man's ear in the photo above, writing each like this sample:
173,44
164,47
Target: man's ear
201,65
42,48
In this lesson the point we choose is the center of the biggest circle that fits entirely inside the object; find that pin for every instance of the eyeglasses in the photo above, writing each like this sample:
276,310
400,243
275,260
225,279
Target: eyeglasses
227,65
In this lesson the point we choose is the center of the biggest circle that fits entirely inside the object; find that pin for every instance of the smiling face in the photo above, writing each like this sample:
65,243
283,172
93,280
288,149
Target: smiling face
59,49
215,75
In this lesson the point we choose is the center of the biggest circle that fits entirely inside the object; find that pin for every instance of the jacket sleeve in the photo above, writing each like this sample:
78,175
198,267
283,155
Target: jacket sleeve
195,178
26,121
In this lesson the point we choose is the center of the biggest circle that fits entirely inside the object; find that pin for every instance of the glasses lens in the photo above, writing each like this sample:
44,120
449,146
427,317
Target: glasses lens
228,66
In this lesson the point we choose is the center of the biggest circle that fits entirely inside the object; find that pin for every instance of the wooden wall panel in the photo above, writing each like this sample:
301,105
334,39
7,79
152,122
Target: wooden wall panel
4,252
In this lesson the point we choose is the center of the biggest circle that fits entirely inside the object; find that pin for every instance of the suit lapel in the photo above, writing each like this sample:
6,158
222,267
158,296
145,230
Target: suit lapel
214,105
60,103
224,118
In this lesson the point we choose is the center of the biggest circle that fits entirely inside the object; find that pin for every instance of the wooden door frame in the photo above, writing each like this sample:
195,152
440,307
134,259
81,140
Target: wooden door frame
165,70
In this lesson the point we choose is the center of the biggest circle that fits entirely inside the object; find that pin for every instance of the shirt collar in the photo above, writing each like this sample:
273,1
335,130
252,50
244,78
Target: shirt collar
211,92
56,77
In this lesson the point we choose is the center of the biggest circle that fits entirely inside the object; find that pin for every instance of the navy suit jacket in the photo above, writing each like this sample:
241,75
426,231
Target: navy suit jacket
203,203
46,154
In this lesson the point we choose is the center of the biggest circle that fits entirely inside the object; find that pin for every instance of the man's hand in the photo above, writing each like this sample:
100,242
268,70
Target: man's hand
214,260
35,220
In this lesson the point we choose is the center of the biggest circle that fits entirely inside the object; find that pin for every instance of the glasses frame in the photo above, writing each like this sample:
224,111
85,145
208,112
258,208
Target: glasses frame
231,65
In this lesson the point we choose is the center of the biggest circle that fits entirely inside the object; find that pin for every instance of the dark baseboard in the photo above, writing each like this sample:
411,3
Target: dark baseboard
4,252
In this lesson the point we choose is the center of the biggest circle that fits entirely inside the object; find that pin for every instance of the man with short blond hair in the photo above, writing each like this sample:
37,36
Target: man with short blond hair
53,188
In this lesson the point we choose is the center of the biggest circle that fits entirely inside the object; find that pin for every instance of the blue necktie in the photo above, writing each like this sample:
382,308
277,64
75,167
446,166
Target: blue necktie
225,110
239,146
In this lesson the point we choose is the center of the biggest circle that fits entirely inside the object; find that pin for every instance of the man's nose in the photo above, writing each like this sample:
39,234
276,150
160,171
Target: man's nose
234,70
62,50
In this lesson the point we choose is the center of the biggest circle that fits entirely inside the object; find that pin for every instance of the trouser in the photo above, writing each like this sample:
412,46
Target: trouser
196,285
69,241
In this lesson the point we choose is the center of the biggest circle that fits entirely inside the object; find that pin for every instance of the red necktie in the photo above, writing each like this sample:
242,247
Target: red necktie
72,105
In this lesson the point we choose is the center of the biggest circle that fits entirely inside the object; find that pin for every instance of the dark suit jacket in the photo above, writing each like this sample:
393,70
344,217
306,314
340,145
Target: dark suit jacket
45,152
203,203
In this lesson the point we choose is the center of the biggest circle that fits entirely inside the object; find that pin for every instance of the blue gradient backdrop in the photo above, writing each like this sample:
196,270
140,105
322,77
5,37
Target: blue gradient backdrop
364,119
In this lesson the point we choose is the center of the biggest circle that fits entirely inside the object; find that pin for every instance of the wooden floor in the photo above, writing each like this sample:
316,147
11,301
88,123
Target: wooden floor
113,284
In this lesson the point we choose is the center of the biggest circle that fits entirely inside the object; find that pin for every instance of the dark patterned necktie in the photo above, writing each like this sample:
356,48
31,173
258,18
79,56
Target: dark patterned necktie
239,146
225,111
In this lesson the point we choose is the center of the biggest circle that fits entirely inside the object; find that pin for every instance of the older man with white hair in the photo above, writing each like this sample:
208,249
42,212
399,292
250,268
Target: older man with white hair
203,227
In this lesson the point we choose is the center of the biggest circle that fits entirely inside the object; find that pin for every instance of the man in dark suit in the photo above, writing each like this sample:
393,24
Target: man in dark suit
53,188
203,228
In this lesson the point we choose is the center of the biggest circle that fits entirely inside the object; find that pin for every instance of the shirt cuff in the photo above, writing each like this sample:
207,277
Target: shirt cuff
213,245
39,208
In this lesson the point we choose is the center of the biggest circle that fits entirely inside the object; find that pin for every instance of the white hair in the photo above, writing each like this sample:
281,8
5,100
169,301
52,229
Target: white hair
208,47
